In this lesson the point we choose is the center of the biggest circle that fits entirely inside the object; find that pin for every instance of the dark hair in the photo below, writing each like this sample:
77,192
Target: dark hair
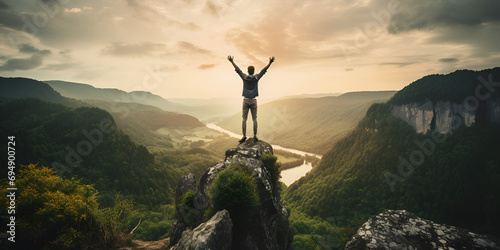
251,70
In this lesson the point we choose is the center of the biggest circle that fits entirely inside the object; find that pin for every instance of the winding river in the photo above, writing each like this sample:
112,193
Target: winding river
288,176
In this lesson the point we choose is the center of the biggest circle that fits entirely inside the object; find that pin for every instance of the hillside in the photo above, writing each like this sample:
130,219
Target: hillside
142,122
309,124
18,87
385,164
83,91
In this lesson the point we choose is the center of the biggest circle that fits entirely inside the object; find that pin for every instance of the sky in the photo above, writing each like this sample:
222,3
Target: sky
179,48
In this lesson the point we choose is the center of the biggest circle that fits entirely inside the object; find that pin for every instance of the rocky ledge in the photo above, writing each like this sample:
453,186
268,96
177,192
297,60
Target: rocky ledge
399,229
269,227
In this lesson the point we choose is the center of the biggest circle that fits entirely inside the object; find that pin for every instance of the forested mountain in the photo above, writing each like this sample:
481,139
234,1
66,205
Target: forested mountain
86,142
89,150
18,87
309,124
141,122
385,164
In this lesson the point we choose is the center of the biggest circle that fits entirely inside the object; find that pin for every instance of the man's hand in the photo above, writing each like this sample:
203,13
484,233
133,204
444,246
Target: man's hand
271,60
230,58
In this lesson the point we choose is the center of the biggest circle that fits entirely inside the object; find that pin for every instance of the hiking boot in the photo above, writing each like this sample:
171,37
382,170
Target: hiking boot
244,138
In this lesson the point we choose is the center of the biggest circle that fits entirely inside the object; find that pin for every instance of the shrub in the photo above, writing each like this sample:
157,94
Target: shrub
236,191
273,167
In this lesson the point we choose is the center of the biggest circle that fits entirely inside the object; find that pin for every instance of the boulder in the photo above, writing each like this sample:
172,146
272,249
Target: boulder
400,229
215,234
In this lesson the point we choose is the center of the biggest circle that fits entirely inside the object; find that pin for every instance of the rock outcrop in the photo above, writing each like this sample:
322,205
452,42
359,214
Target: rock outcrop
269,228
399,229
444,117
216,233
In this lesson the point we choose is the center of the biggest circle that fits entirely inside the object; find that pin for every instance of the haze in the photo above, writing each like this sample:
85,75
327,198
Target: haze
178,49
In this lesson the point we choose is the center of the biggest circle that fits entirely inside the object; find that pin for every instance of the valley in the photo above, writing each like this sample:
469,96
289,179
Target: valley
343,158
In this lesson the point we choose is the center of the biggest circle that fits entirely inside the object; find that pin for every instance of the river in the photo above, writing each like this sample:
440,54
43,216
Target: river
288,176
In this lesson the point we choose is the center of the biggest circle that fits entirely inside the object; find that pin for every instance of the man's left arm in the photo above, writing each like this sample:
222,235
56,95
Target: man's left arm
264,70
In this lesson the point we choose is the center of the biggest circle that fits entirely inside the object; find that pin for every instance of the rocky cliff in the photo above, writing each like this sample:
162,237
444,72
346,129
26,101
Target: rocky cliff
446,117
268,228
400,229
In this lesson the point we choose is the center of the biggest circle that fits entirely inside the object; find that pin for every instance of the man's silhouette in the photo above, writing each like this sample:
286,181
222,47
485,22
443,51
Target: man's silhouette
250,91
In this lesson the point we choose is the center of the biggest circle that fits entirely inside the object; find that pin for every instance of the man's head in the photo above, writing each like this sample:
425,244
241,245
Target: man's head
251,70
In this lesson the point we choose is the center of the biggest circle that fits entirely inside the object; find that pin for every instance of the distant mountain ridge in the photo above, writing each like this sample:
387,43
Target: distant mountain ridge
19,87
82,91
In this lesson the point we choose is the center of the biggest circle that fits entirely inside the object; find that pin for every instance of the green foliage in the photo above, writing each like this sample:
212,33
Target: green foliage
273,167
236,191
188,199
155,222
313,233
454,87
62,213
44,132
117,166
455,184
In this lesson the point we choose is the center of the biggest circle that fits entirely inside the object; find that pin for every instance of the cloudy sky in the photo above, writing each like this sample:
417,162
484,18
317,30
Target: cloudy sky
178,48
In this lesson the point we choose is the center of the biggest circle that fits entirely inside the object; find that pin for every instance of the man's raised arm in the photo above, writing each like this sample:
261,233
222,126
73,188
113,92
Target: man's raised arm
231,59
264,70
271,60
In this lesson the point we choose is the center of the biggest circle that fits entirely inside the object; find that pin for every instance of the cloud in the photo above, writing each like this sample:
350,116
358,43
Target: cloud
213,8
22,63
398,64
299,30
152,49
59,66
430,14
134,49
186,47
448,60
26,48
144,10
165,68
4,6
206,66
11,19
73,10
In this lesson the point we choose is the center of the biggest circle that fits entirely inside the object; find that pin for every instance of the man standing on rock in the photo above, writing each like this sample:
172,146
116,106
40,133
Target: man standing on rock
250,91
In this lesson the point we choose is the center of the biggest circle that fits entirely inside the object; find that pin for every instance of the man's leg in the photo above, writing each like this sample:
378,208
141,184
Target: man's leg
244,120
253,109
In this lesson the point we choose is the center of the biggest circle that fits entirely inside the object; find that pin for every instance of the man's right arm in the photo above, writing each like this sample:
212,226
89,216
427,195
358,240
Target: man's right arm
238,70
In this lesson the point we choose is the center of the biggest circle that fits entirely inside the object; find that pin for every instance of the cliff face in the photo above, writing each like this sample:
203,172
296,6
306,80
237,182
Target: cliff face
400,229
268,228
446,117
